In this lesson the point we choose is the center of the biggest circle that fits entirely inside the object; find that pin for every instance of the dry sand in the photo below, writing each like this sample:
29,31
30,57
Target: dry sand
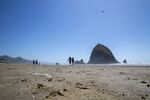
80,82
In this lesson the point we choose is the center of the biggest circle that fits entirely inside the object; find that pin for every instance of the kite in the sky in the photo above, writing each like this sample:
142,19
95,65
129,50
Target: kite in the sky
102,11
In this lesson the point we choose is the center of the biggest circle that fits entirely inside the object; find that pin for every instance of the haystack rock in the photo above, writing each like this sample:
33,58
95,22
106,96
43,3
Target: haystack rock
102,55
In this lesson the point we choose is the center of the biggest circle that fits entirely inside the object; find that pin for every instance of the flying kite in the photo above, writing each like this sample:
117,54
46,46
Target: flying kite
102,11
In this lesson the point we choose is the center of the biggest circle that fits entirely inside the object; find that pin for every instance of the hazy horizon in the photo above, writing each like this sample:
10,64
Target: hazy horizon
53,30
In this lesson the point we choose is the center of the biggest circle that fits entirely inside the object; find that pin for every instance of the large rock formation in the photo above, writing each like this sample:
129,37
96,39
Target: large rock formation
102,55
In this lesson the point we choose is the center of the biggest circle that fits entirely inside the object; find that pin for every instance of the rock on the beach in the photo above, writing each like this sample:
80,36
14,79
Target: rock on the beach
102,55
80,62
125,61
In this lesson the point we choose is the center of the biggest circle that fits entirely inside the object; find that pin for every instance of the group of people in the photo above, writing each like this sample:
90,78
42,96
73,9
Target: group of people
71,61
35,61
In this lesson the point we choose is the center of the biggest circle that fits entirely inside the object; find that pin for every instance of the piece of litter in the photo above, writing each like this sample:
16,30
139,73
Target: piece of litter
40,74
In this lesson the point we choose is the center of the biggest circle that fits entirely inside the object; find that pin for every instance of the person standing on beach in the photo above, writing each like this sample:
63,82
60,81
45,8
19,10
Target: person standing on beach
69,59
33,61
36,62
72,59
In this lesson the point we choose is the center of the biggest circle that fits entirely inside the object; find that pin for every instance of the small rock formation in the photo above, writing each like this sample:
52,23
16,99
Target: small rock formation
125,61
80,62
57,63
101,55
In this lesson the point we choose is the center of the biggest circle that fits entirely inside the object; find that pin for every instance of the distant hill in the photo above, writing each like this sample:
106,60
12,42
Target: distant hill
8,59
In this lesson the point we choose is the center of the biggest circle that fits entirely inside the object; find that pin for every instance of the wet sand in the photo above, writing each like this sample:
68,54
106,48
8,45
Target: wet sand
79,82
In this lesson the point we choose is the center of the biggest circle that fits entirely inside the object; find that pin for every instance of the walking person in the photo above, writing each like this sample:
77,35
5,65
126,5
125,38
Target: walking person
33,61
72,59
36,62
69,59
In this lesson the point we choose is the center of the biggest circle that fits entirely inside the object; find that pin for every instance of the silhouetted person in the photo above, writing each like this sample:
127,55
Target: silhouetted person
69,59
36,62
72,59
33,61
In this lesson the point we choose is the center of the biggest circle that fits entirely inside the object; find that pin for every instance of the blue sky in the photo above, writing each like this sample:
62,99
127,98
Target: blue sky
52,30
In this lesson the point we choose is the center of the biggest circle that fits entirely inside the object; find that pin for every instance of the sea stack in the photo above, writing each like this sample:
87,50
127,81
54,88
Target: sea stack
102,55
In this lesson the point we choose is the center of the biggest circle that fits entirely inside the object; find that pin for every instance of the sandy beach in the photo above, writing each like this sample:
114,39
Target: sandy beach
78,82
